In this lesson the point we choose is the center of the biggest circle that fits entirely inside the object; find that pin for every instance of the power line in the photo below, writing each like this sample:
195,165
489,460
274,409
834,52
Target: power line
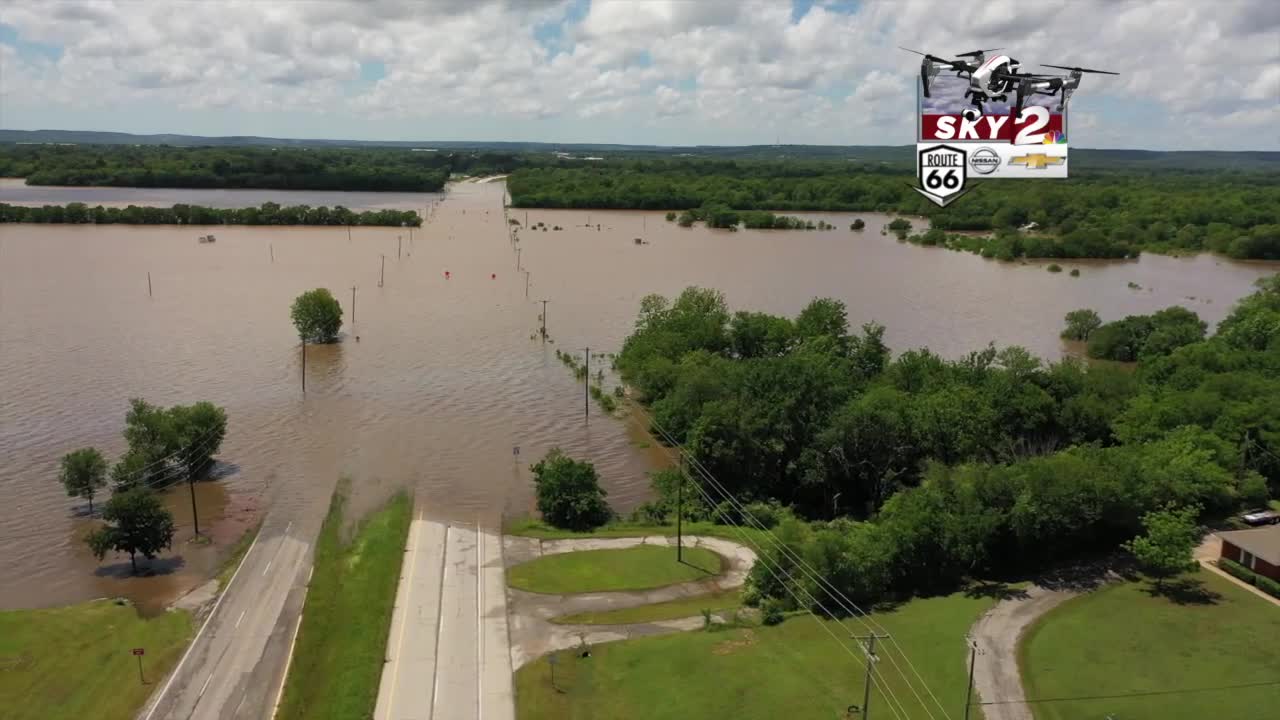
847,605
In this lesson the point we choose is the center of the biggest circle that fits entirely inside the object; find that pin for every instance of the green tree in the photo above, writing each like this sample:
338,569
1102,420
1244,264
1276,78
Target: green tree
317,316
568,492
1165,550
200,430
1081,324
84,471
137,522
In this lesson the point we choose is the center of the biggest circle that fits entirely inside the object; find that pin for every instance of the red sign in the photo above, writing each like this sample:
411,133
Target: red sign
1030,128
139,651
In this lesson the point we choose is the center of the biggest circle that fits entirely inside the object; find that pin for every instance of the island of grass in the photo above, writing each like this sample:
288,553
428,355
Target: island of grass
342,642
750,672
636,568
1202,648
721,601
75,662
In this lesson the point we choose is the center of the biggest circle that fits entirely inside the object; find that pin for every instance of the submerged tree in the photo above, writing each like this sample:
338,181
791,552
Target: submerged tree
1081,324
137,523
317,316
569,492
84,471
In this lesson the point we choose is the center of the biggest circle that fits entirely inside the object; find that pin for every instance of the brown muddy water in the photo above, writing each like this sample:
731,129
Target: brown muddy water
444,381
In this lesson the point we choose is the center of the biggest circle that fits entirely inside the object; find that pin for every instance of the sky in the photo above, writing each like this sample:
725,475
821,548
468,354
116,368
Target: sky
1196,74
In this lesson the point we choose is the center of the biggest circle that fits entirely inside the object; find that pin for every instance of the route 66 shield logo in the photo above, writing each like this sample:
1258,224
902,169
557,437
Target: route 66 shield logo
941,172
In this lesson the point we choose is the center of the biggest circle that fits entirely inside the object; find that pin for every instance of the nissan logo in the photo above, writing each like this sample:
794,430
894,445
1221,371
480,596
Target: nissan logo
984,161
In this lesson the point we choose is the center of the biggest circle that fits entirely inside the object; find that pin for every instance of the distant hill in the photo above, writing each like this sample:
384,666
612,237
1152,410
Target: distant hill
888,154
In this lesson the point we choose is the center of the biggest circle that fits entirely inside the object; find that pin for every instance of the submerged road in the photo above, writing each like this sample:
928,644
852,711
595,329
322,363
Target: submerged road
448,652
234,667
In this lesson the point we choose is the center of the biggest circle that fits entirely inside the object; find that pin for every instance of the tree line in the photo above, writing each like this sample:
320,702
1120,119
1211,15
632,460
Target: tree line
1092,215
165,446
898,475
268,213
279,168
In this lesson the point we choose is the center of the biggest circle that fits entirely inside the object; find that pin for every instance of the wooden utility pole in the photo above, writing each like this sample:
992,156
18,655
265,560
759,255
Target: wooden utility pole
304,366
544,319
869,649
353,304
149,283
348,233
399,245
517,258
191,485
680,517
382,274
273,251
968,693
526,284
586,386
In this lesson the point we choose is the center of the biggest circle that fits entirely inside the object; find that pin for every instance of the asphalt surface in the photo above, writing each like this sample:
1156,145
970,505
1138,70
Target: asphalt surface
448,656
234,667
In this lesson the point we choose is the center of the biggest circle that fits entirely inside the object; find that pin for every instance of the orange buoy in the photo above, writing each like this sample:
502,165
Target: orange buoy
446,274
493,276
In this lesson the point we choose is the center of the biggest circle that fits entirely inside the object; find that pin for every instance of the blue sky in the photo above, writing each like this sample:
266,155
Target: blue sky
1194,74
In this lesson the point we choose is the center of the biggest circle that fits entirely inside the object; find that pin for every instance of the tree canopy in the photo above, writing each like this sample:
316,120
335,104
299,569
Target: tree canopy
83,473
136,523
317,316
268,213
568,492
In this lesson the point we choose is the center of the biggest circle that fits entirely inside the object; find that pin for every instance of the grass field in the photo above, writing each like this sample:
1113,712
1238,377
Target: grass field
792,670
74,662
341,646
1123,640
636,568
684,607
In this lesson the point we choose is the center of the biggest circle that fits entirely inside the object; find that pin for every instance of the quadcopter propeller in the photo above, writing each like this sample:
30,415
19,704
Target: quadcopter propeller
934,58
975,53
1080,69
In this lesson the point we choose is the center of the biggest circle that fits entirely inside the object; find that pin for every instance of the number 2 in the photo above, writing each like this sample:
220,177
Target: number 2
1037,118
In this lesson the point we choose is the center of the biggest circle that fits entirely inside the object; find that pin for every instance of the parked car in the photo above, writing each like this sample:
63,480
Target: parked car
1260,516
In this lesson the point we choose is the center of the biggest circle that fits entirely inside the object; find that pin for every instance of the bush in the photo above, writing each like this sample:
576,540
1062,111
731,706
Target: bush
1054,268
1075,272
651,513
857,224
317,316
671,216
1234,568
771,611
1269,586
569,492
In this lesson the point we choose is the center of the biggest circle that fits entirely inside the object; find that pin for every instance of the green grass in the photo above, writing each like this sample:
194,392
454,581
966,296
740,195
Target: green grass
635,568
1123,640
341,646
74,662
670,610
792,670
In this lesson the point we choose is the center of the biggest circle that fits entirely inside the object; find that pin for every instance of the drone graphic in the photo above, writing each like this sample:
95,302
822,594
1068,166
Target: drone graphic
992,78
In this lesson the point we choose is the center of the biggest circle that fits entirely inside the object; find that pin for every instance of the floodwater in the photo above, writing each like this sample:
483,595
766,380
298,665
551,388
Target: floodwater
439,384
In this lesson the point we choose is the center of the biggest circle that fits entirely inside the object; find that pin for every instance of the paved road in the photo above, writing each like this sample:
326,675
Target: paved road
448,654
234,667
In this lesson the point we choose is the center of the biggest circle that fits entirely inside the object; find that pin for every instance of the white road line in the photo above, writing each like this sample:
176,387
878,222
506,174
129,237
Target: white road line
309,574
444,559
239,704
205,686
225,591
413,565
286,527
268,567
288,660
241,618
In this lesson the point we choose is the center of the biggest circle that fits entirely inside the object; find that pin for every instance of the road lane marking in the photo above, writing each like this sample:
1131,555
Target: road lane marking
268,567
479,618
408,595
435,670
238,620
225,591
205,686
288,660
239,704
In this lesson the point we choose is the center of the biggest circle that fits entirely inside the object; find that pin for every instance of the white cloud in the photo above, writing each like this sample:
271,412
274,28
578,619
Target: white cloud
711,70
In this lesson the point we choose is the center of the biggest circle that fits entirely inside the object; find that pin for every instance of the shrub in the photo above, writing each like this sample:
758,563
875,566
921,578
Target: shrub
1269,586
1075,272
857,224
569,493
671,216
1238,570
771,611
653,513
1054,268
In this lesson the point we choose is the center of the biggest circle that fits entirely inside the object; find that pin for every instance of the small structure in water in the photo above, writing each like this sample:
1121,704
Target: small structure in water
206,239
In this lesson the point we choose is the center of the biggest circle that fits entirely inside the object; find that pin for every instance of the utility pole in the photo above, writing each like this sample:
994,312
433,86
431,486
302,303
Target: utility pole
869,649
348,233
149,283
382,274
586,386
191,485
273,251
517,258
353,304
399,245
526,284
968,693
680,517
544,320
304,366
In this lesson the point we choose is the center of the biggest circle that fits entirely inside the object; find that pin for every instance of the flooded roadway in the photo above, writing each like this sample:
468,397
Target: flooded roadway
445,380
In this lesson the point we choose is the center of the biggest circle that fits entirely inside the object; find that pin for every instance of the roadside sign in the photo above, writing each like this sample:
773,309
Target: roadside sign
139,651
515,450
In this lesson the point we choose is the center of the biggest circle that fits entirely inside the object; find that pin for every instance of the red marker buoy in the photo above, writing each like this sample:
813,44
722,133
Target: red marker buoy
493,276
446,274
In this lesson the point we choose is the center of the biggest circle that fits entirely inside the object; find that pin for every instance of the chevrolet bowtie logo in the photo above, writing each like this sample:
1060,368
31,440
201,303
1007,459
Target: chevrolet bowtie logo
1037,161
